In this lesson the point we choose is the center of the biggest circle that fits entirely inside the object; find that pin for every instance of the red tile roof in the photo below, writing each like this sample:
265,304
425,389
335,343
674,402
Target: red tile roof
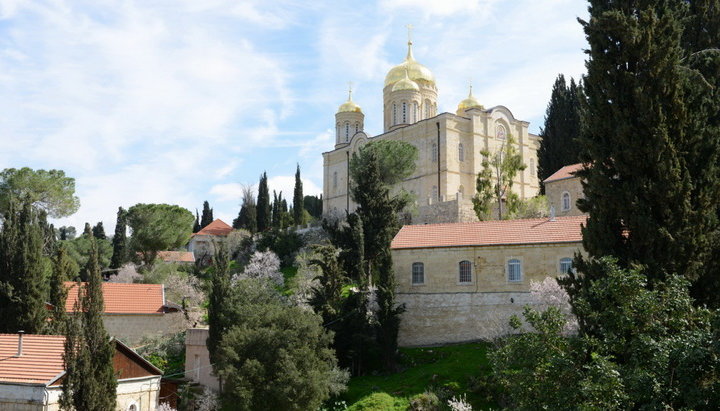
563,173
487,233
41,360
217,227
176,256
122,298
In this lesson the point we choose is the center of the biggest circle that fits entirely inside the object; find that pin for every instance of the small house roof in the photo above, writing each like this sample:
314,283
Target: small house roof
123,298
176,256
565,172
217,228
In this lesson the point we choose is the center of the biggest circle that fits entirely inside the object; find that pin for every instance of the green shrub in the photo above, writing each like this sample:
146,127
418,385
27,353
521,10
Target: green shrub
426,401
374,402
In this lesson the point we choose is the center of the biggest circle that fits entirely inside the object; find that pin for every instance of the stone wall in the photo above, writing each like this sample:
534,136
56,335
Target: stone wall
455,210
554,191
197,359
132,328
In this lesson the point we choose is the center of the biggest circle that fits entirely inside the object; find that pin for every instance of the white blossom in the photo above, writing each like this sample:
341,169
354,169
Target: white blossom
207,401
548,293
126,274
263,264
459,404
165,407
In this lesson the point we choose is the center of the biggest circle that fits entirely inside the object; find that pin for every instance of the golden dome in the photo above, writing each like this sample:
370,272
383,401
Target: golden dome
349,106
416,71
470,102
406,84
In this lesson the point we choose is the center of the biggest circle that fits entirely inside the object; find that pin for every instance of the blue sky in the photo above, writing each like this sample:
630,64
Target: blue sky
180,101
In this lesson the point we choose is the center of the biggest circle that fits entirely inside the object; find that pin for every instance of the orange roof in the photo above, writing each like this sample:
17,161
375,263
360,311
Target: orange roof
41,360
217,227
176,256
122,298
565,172
487,233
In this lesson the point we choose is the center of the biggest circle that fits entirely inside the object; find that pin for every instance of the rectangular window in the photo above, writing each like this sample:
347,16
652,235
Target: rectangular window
418,273
565,265
465,272
514,270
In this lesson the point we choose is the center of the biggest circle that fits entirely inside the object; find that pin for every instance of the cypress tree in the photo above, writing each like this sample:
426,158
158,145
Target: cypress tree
196,226
23,288
207,215
651,192
247,217
89,382
119,241
63,270
219,301
263,205
99,231
298,199
559,146
87,232
276,211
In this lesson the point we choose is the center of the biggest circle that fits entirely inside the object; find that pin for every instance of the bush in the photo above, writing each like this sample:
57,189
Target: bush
426,401
378,401
283,243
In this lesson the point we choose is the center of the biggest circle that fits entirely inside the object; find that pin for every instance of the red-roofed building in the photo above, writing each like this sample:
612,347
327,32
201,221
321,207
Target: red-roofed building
182,257
202,243
32,371
134,311
454,278
563,188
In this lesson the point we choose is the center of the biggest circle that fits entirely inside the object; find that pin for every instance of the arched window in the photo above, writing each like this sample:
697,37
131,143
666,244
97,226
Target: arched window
404,113
565,265
461,152
465,272
357,127
565,201
514,270
132,407
347,132
500,132
415,112
335,179
418,273
433,152
394,114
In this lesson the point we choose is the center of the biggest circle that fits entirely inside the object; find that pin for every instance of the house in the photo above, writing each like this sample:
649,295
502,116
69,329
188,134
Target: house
457,279
134,311
202,243
197,359
32,371
180,257
563,188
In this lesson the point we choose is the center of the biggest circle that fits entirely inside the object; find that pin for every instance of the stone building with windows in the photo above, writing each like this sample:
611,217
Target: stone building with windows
562,189
461,281
448,144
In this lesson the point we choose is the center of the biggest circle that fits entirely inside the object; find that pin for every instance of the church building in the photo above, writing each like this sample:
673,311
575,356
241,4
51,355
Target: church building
448,146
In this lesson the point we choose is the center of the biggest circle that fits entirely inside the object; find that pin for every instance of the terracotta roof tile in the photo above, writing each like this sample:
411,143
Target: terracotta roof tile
487,233
217,227
563,173
41,360
176,256
122,298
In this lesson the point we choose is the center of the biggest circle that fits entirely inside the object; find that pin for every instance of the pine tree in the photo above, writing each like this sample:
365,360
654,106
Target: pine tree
99,231
247,217
119,242
63,270
207,215
196,226
263,205
89,382
23,288
298,199
559,146
651,192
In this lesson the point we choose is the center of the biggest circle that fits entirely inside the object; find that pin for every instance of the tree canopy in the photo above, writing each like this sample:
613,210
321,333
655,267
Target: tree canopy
49,190
158,227
396,160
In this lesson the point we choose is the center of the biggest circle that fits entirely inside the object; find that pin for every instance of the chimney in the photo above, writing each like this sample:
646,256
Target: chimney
552,213
20,338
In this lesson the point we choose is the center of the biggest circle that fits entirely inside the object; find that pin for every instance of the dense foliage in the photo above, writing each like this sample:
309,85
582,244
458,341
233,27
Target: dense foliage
247,217
119,241
263,212
48,190
493,185
158,227
298,205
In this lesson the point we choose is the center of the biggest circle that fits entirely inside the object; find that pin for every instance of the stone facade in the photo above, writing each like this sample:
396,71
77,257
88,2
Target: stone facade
132,328
197,359
444,310
555,190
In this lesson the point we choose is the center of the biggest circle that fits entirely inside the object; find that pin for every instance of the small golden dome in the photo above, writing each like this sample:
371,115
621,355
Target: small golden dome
406,84
470,102
349,106
415,71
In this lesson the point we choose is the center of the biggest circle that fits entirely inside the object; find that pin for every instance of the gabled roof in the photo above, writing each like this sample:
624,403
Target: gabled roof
122,298
489,233
41,362
176,256
217,228
563,173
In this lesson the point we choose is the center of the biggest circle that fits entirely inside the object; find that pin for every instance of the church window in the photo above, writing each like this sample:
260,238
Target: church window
565,265
565,201
434,152
404,113
427,109
415,112
514,270
461,152
500,132
394,114
418,273
357,127
465,271
347,132
335,179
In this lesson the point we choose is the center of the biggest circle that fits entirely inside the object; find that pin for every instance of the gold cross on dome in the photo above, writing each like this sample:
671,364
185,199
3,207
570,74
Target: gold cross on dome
349,90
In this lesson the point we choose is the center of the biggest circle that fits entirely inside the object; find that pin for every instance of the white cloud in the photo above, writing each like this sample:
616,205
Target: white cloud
286,184
227,192
436,7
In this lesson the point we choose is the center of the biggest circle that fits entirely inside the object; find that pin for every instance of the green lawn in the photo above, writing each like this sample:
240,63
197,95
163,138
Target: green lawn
448,366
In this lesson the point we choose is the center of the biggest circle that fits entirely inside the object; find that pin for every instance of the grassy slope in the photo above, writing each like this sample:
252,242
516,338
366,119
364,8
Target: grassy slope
425,367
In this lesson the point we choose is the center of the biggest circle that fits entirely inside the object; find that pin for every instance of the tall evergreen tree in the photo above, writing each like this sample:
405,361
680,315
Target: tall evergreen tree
219,301
651,192
87,232
276,210
119,242
207,215
63,270
263,205
196,225
298,199
559,146
23,286
89,382
99,231
247,217
313,204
